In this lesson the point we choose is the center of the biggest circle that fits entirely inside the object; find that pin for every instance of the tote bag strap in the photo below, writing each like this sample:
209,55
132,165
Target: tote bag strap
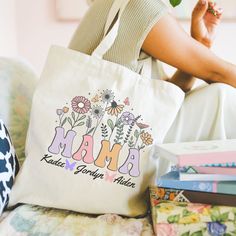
109,38
118,7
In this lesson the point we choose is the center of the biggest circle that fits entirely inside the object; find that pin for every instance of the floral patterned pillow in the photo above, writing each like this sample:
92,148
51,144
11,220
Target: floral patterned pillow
17,81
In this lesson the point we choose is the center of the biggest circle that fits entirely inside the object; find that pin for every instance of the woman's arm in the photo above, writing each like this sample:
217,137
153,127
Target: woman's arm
168,42
203,29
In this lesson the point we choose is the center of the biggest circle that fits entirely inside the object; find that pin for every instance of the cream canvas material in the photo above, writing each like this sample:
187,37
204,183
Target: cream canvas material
92,130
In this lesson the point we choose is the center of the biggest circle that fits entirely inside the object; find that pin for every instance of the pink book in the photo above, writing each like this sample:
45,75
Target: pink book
214,170
199,153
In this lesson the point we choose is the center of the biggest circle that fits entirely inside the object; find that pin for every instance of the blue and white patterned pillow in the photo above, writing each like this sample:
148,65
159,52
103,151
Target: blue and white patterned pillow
9,166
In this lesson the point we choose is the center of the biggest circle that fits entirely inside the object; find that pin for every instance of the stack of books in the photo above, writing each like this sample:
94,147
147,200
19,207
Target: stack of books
198,197
203,172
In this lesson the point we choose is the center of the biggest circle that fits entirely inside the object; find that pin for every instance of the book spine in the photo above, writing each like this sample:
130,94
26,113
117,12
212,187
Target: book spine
199,197
206,158
214,170
207,186
206,177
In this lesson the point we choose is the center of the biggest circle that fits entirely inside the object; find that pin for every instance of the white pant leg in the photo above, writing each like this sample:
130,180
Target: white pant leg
207,113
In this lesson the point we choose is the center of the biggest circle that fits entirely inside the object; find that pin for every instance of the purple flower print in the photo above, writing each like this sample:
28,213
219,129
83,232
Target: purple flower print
216,228
59,112
127,118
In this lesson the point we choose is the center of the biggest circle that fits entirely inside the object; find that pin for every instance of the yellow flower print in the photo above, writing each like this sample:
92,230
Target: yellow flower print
206,211
166,208
114,109
146,138
194,218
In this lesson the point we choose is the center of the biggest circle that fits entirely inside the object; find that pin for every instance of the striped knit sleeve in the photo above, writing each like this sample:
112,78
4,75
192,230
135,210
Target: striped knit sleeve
137,20
146,14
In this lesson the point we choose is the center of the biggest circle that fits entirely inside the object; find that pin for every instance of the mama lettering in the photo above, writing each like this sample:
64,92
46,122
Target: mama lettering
107,157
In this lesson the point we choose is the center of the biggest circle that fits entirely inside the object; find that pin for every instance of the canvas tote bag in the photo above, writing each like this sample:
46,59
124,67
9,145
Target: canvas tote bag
92,130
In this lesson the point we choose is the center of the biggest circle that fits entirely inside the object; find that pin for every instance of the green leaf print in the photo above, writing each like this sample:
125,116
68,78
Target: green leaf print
186,234
173,219
80,124
186,213
63,122
215,213
90,131
136,133
198,233
70,121
224,217
111,124
73,115
81,118
182,204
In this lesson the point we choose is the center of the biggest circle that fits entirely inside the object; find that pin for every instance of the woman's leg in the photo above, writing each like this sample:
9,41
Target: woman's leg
208,113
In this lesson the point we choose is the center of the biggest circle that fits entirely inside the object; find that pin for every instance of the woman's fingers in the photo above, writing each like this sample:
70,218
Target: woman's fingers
215,10
214,14
200,10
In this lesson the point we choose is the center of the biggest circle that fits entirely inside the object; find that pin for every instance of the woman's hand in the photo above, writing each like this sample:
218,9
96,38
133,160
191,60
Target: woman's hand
206,17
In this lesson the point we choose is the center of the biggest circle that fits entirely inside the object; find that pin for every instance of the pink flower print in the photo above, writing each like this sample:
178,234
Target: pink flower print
141,125
110,218
127,118
133,228
197,208
165,230
80,104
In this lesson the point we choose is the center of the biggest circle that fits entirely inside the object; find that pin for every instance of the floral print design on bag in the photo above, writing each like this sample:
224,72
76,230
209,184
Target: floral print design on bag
119,130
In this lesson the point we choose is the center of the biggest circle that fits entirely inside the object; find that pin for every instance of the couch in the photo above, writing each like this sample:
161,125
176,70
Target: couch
18,80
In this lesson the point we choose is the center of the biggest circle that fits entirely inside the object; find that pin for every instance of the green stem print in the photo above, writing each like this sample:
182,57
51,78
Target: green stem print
98,113
130,129
112,126
114,110
61,113
131,142
104,131
137,135
60,120
80,105
76,121
98,122
89,126
119,133
141,147
140,132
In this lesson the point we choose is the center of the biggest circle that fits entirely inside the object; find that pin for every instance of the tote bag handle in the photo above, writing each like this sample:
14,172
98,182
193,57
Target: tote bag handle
118,7
109,38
